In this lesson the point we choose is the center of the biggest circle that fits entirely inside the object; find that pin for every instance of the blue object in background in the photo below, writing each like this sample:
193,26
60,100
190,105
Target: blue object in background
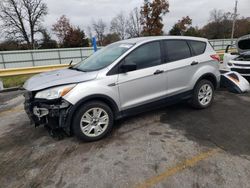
94,44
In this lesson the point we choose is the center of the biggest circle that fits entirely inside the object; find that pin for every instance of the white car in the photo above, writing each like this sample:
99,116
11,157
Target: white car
238,61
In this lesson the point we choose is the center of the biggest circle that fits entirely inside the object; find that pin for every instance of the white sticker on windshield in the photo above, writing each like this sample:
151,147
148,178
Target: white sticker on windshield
125,45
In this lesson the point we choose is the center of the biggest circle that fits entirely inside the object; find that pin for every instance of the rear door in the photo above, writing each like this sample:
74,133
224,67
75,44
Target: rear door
183,60
148,82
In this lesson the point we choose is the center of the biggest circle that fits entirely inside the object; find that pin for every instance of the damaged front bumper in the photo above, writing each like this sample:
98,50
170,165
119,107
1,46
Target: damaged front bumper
50,113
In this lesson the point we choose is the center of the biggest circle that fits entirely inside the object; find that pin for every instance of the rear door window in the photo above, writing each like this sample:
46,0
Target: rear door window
198,47
176,50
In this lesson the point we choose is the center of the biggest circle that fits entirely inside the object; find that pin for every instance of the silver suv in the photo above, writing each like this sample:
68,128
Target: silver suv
124,78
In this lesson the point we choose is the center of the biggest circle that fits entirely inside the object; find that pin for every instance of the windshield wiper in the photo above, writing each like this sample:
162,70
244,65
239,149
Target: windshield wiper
77,69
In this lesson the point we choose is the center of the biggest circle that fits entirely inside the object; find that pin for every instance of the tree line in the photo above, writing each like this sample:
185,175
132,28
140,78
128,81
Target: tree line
22,26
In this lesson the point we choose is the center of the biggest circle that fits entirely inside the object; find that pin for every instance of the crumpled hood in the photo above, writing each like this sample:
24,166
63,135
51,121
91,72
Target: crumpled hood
243,44
56,78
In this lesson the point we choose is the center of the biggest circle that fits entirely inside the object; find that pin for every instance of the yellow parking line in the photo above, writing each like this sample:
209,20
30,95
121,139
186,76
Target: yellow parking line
179,167
15,110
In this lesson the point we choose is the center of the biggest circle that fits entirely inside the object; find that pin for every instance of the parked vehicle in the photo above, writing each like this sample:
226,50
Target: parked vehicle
124,78
239,61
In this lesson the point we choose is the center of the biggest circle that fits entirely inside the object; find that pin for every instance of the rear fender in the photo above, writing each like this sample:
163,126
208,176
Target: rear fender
208,72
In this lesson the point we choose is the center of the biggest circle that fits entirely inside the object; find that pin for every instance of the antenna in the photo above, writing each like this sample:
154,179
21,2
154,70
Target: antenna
234,20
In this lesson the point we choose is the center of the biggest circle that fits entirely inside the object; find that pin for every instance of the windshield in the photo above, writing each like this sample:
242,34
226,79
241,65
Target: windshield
103,57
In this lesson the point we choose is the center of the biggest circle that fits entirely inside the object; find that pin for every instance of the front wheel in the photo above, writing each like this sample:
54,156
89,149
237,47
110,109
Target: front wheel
93,121
203,94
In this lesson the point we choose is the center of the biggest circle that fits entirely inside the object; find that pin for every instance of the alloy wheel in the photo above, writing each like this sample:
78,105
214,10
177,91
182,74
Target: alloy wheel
94,122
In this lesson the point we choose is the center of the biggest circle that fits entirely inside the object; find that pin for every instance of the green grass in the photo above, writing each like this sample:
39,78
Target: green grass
13,81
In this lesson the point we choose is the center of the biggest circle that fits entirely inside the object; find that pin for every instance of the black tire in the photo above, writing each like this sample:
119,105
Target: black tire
77,131
195,102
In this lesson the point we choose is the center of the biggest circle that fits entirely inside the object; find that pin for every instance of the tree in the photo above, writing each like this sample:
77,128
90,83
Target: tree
242,27
75,37
134,27
175,30
22,19
47,42
9,45
99,28
193,31
110,38
119,25
61,28
152,14
219,26
69,35
216,15
181,27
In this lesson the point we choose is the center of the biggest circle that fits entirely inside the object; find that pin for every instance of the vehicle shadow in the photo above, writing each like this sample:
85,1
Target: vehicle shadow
226,123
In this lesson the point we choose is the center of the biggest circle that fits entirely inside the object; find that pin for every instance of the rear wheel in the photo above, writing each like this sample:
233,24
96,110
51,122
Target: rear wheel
203,94
93,121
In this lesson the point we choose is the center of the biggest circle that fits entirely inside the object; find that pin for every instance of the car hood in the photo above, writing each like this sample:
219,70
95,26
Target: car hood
243,44
56,78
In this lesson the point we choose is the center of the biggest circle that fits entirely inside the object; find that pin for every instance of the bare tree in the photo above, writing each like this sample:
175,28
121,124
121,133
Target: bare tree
119,25
99,28
61,28
216,15
22,19
134,27
219,26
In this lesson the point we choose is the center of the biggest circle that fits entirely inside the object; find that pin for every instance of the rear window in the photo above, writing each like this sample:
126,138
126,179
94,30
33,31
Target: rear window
176,50
198,47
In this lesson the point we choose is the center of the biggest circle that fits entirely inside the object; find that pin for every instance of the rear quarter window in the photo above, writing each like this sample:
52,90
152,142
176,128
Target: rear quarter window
198,47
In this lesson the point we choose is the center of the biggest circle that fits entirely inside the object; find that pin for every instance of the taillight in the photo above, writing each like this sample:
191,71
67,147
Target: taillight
215,57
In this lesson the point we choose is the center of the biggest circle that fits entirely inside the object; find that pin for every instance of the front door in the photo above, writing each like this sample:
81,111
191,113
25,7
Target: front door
148,82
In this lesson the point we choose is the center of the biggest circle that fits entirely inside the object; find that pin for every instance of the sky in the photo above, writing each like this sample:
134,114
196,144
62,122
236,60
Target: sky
83,12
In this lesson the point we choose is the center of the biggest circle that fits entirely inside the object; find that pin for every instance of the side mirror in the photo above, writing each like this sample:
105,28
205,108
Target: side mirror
128,67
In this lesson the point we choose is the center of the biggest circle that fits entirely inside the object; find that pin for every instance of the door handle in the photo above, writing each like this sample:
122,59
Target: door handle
194,63
158,72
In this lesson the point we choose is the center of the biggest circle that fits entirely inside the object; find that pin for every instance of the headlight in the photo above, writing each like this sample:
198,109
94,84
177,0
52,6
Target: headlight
55,92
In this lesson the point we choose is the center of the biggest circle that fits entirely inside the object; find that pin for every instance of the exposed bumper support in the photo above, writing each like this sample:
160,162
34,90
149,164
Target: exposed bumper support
52,114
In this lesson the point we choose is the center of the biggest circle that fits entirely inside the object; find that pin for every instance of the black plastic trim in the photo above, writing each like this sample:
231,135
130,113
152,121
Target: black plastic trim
157,104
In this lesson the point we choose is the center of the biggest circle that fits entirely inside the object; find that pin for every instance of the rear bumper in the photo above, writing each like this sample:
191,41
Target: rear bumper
52,114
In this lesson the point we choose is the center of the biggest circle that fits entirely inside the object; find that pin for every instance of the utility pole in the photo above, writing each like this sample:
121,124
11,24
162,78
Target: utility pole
234,20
